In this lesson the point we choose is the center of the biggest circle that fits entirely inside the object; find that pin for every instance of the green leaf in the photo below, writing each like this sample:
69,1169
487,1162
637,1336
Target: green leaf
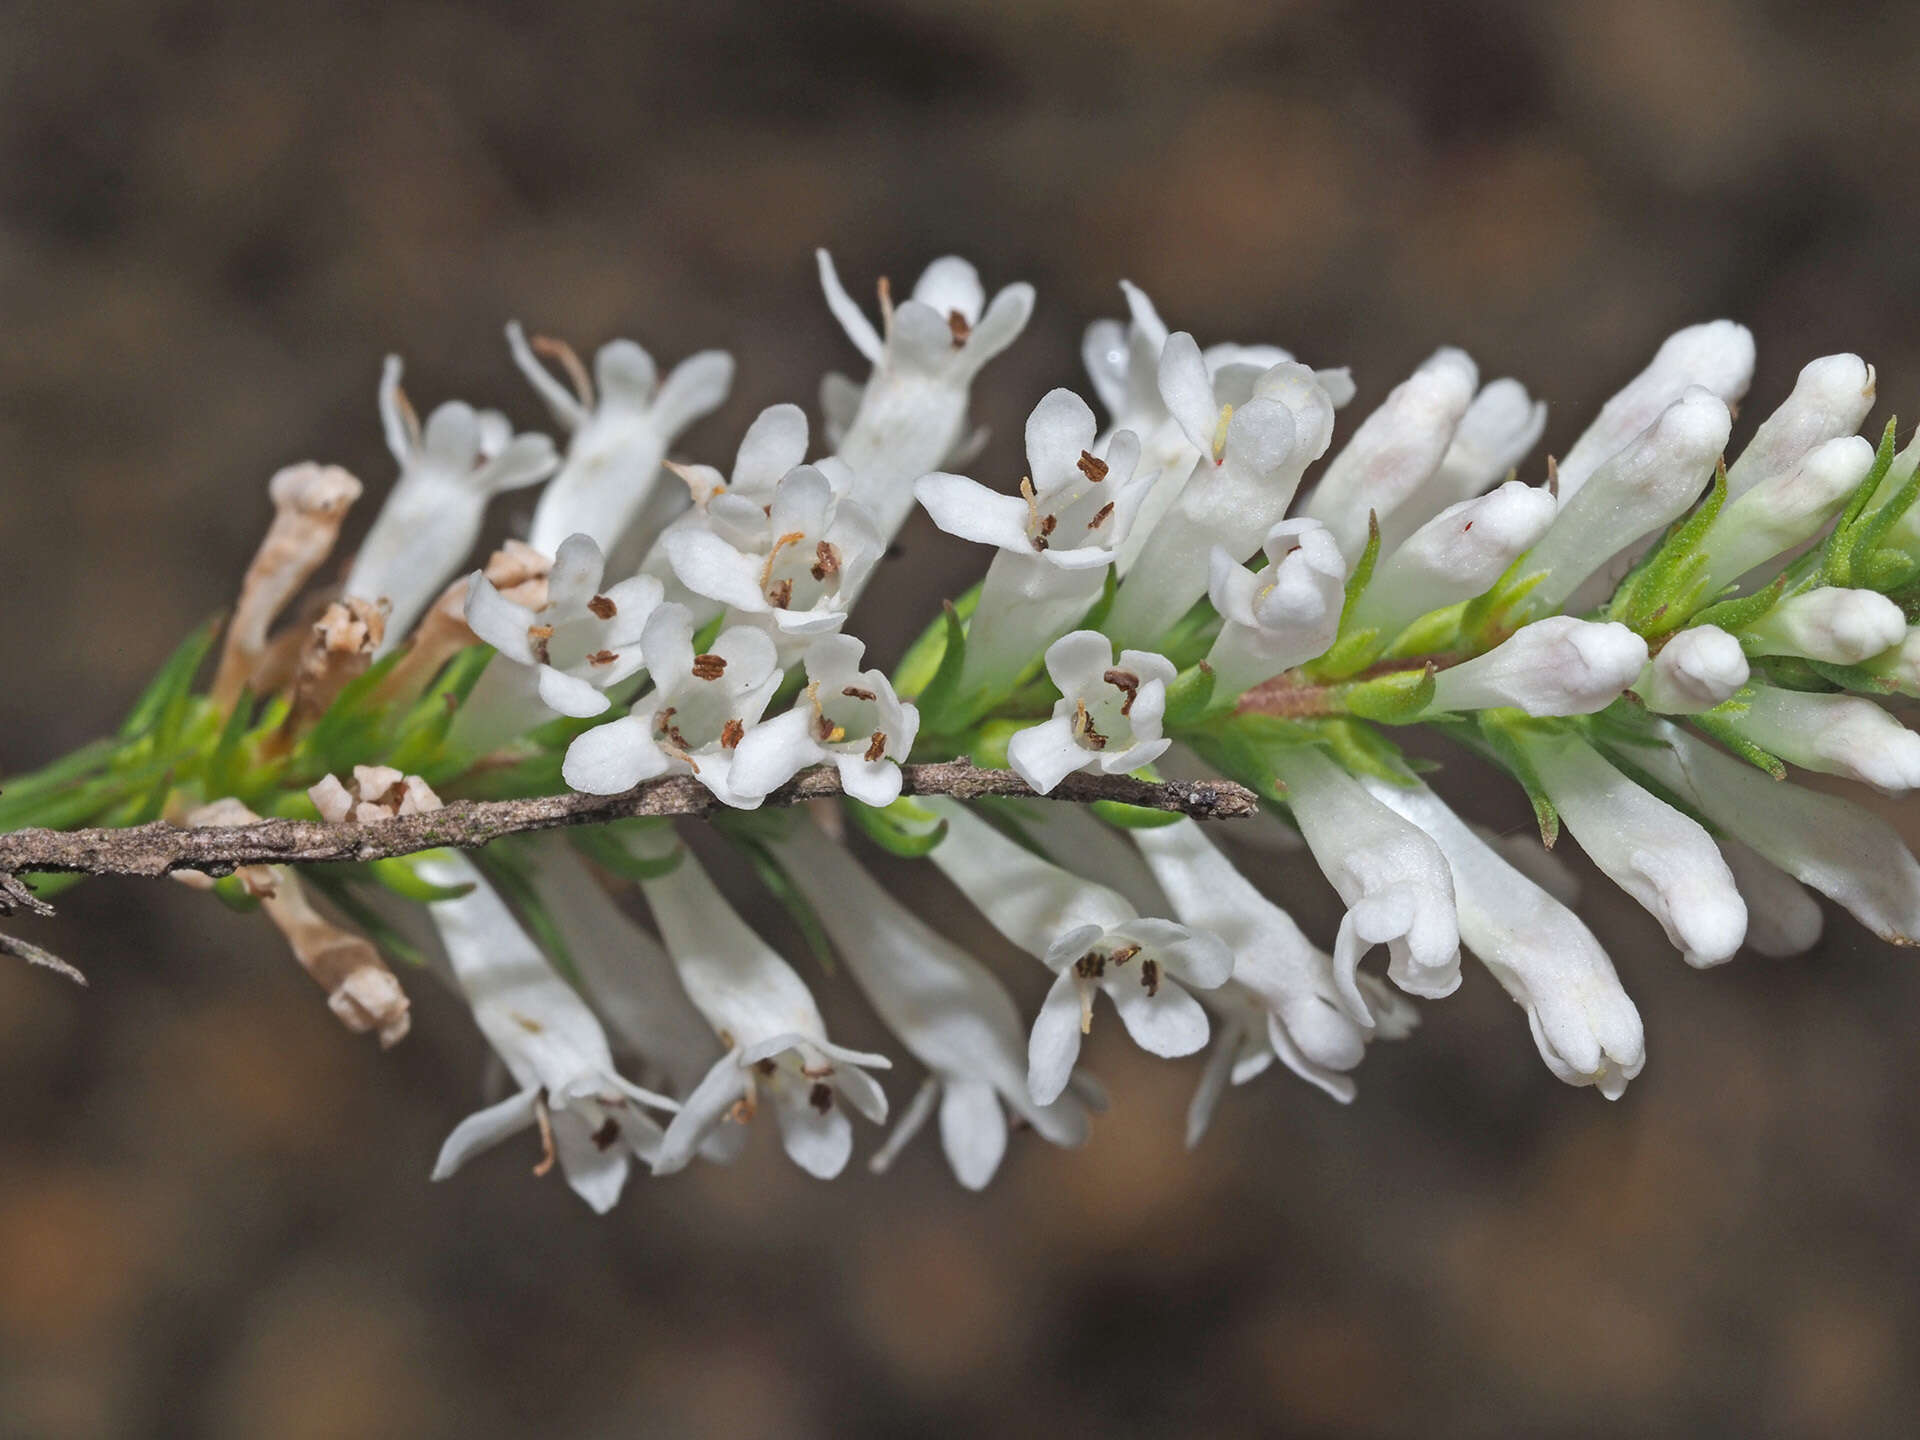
397,873
941,708
603,845
1719,723
1134,817
1743,610
799,909
168,689
904,828
1504,732
1396,699
1843,548
1354,650
1189,697
924,657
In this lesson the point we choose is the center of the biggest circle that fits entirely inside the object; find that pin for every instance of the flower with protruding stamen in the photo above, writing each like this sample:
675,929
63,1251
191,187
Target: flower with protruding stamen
1456,555
1555,666
700,708
582,640
1844,735
912,412
620,434
1665,860
1500,427
448,472
945,1007
1393,878
1697,669
1107,717
795,562
1280,616
1782,511
1585,1026
1716,356
547,1038
776,1042
1830,398
1054,541
1838,626
1396,450
1093,941
847,717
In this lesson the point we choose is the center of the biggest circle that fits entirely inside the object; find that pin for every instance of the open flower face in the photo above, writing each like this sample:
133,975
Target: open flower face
848,717
1107,718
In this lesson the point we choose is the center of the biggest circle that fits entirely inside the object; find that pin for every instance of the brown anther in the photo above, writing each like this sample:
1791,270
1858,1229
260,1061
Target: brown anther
537,637
1122,955
780,596
957,323
1150,977
603,657
826,561
765,1067
548,1155
1091,466
608,1132
1100,516
1083,726
709,666
561,351
1090,966
854,692
603,608
877,746
821,1097
823,726
1048,523
731,734
1127,683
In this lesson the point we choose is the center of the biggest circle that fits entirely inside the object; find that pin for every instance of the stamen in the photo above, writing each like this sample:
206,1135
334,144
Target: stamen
1220,433
885,288
709,666
1090,966
1123,955
1100,516
562,352
603,657
538,636
826,561
1036,531
1150,977
877,747
792,537
1127,683
1086,1009
781,595
731,734
548,1154
1083,727
821,1097
957,323
1089,465
854,692
409,416
608,1132
603,608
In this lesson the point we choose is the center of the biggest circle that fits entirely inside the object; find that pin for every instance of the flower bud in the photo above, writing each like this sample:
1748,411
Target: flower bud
1454,556
1556,666
1829,400
1836,735
1841,627
1783,510
1695,670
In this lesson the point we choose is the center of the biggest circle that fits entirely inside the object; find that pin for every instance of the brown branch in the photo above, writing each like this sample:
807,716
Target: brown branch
34,955
160,848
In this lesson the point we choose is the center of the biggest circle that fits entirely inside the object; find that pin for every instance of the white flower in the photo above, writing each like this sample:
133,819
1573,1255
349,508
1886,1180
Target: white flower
619,435
1555,666
1092,940
1834,734
547,1038
1280,616
1663,859
1783,510
1285,977
1830,398
1841,627
700,708
1900,666
1393,878
1500,427
1053,541
1396,450
448,473
1697,669
1842,849
775,444
1647,485
1456,555
1585,1027
1716,356
913,410
797,560
582,640
1251,457
776,1042
1782,918
947,1008
847,717
1107,718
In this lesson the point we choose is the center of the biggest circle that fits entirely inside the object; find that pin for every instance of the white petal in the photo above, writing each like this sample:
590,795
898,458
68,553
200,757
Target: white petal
950,286
498,620
625,374
1054,1045
1045,754
1168,1023
970,511
1006,317
613,758
484,1129
872,782
569,695
773,445
852,319
1187,390
973,1131
1059,430
709,566
597,1175
697,386
819,1143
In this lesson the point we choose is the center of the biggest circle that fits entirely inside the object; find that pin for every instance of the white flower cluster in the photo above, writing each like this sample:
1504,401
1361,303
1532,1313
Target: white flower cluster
1639,639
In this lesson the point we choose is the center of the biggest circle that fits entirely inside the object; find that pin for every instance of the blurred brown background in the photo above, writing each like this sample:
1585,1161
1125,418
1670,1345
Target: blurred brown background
214,220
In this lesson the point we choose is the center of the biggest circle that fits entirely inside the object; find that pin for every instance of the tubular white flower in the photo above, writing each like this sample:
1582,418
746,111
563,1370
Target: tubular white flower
1278,617
546,1037
1783,510
1393,878
582,640
1647,485
847,717
1663,859
1584,1024
448,472
1838,847
1396,450
1716,356
1697,669
620,435
1555,666
1841,627
1054,541
795,562
1288,980
1900,666
947,1009
913,410
700,708
1834,734
1499,429
1830,398
1456,555
1107,717
1252,456
1782,918
765,1015
1092,939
